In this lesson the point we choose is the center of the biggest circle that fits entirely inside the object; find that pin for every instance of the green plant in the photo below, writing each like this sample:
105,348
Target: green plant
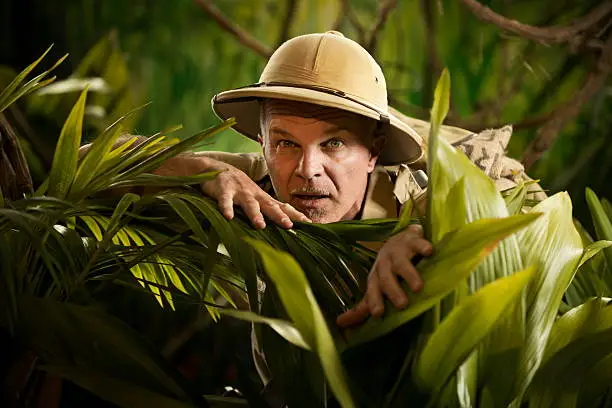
489,329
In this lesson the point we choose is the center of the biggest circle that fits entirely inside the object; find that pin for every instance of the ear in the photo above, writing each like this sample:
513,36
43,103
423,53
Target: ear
377,146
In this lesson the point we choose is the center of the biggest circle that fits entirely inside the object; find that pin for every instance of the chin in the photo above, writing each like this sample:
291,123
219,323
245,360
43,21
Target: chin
319,216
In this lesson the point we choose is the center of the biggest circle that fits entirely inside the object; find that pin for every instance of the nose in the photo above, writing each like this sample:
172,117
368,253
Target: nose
310,164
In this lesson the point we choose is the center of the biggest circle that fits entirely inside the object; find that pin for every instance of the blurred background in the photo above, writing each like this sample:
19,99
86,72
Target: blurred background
177,54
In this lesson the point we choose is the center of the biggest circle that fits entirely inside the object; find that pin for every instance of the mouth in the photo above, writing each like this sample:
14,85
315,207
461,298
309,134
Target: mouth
309,200
310,196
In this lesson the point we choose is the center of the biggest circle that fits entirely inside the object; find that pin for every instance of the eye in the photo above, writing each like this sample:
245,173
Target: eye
285,144
334,143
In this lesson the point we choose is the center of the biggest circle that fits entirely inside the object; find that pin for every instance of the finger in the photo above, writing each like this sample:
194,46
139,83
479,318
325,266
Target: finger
354,316
408,272
273,210
253,211
390,286
226,205
421,246
416,229
374,297
294,214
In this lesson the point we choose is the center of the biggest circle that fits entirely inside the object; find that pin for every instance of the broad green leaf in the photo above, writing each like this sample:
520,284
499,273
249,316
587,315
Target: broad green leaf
593,250
601,221
98,340
454,259
597,381
466,325
115,391
284,328
462,193
300,303
65,159
578,341
607,207
554,246
438,113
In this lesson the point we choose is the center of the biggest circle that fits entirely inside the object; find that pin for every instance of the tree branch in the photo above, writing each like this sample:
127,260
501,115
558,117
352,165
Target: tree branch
545,35
241,35
383,14
568,111
352,18
343,12
287,21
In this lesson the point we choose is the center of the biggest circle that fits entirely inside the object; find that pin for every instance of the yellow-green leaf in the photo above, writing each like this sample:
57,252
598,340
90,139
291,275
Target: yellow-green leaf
455,257
553,245
302,308
66,154
463,329
284,328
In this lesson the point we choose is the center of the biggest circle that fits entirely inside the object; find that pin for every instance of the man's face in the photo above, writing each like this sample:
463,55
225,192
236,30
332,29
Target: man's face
318,158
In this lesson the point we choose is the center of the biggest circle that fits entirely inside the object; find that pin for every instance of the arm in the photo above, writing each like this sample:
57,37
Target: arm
231,187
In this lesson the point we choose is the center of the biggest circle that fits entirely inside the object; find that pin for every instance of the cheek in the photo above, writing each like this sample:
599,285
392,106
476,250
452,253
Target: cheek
280,169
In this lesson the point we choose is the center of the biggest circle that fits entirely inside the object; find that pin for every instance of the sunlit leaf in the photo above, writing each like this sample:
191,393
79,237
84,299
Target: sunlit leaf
554,246
305,313
286,329
465,326
455,257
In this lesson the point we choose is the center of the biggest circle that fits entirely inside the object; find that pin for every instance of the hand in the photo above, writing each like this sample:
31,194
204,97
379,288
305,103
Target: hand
233,187
394,258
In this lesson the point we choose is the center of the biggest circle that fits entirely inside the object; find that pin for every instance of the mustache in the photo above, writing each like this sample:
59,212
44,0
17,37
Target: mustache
309,190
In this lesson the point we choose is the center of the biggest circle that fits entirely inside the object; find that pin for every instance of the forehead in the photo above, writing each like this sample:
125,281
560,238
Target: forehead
290,114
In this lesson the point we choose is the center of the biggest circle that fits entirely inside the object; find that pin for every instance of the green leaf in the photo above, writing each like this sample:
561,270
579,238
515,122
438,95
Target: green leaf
154,161
282,327
438,113
578,341
593,250
115,391
64,333
153,180
463,329
601,221
455,257
98,152
65,159
553,245
515,199
300,303
9,96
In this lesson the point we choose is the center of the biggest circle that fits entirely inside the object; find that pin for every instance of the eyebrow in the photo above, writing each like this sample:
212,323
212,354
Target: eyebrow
336,129
332,130
280,131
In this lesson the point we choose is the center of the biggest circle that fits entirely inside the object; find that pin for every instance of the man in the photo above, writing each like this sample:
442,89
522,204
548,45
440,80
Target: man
332,150
320,113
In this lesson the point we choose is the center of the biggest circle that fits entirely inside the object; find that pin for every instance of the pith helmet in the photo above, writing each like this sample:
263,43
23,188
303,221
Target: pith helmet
324,69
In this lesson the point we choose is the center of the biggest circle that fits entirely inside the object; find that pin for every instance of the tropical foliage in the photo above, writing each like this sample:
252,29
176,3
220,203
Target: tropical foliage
514,309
